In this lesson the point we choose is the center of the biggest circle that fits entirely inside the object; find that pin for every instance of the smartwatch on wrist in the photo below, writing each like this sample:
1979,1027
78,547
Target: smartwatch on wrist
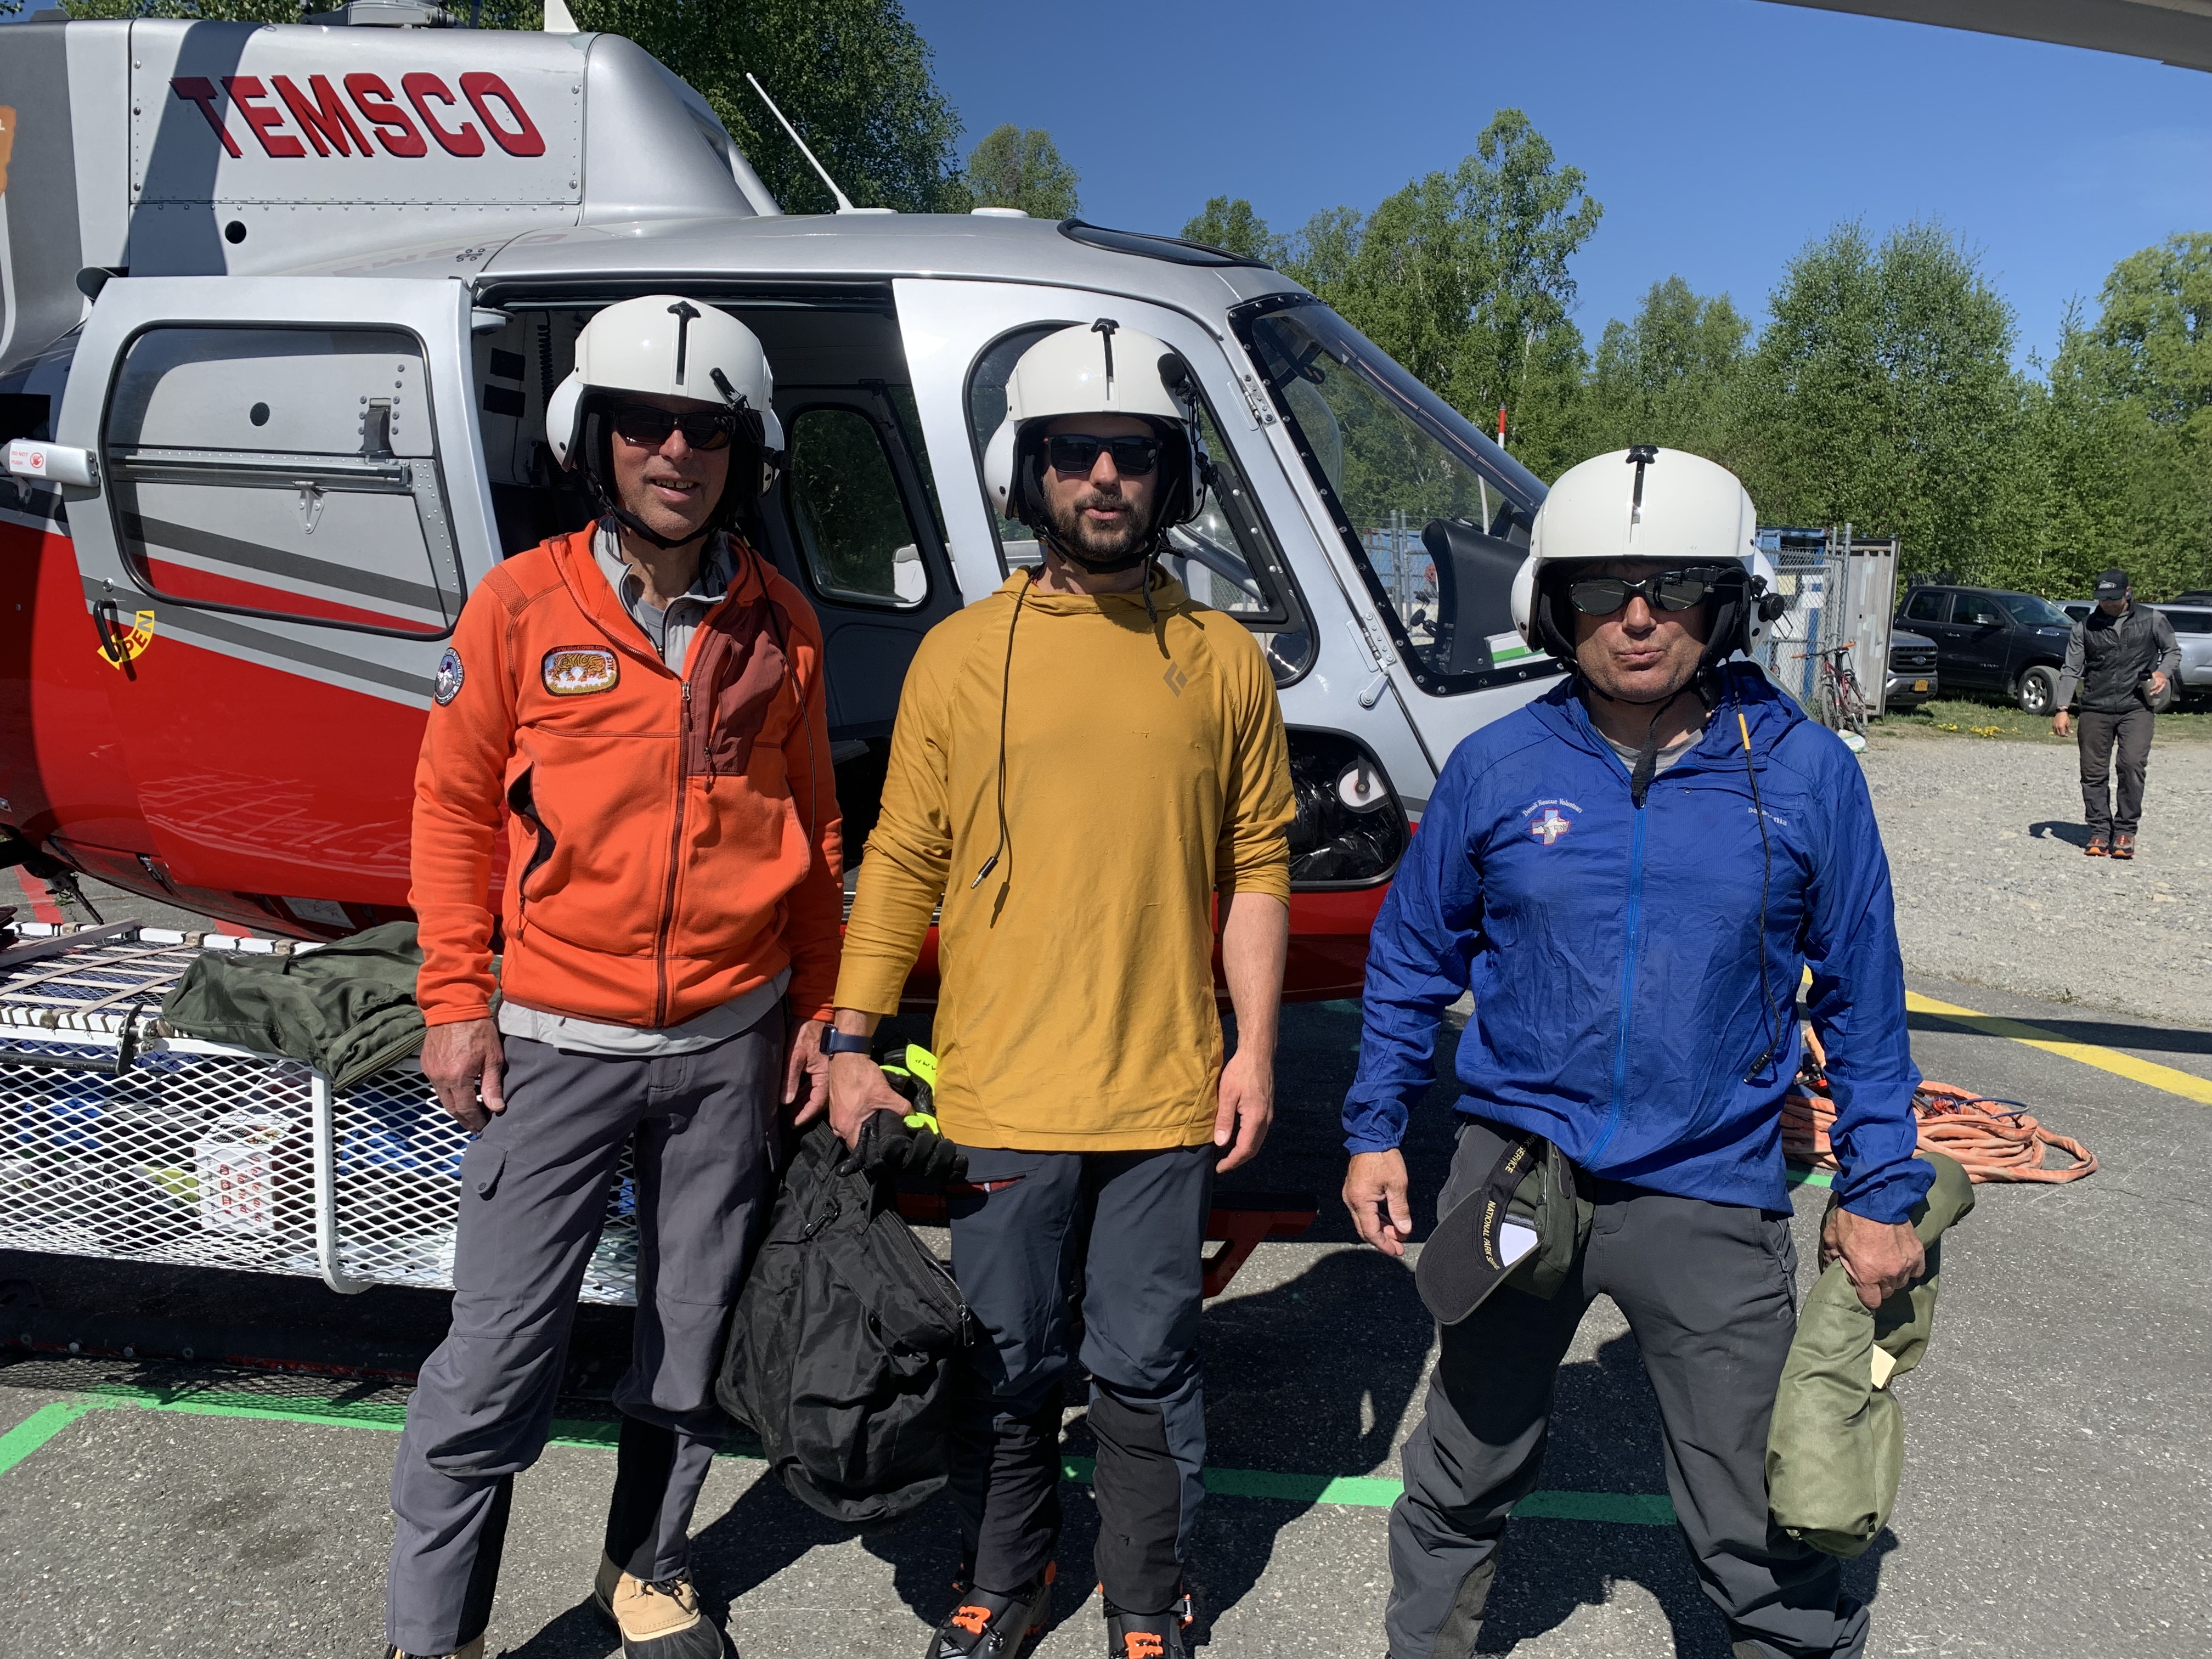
835,1042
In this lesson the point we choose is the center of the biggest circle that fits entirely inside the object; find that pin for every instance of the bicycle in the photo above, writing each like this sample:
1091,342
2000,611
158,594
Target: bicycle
1838,701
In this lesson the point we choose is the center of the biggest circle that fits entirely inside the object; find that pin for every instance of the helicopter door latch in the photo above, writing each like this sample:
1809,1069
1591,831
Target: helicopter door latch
376,429
310,503
1379,660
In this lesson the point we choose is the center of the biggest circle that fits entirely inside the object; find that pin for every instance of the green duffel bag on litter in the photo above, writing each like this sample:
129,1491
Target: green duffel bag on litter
346,1010
1836,1447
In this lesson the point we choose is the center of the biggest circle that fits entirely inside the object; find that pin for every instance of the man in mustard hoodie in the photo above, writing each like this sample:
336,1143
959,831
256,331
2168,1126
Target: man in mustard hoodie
1084,762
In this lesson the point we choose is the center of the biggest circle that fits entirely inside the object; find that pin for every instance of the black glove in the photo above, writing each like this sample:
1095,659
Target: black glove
889,1146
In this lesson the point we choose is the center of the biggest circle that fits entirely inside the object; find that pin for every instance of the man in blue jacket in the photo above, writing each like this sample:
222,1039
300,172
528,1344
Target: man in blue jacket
1630,875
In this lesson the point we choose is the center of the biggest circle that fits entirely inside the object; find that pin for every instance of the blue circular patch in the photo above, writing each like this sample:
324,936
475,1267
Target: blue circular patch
450,675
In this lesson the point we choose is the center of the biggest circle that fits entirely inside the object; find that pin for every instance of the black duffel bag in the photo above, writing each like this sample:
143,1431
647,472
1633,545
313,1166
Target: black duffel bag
840,1352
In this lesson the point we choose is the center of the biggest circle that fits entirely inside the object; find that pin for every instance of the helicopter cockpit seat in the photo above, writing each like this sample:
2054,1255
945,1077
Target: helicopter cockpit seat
1475,583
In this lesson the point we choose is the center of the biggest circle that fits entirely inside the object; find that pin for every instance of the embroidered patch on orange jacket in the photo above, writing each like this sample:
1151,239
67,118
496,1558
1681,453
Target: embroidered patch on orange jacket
577,671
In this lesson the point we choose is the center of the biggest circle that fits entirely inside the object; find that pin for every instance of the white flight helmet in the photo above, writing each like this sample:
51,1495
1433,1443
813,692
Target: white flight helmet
1645,502
1097,369
670,347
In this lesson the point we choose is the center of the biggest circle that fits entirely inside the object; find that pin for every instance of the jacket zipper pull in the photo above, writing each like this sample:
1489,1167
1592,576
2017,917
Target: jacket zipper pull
685,761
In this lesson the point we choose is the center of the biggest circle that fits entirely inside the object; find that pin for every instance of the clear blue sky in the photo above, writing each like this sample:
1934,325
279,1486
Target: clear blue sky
1720,135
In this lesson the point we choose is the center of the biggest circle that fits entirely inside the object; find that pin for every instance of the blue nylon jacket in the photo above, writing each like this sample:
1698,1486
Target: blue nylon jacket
1613,954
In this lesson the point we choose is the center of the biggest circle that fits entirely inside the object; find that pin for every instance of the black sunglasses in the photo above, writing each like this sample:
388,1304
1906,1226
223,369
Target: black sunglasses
642,423
1077,453
1670,590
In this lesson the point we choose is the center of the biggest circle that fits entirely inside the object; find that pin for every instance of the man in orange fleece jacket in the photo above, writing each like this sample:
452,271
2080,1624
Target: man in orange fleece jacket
645,698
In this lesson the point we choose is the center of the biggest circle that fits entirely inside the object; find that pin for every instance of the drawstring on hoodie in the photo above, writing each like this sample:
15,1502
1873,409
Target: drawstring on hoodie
1152,616
1006,693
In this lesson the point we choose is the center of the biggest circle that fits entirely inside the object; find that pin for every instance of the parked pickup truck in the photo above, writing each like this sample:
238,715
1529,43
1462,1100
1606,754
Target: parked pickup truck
1987,639
1914,677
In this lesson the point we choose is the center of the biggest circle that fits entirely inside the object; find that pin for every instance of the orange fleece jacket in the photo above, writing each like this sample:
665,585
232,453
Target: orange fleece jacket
1146,774
673,841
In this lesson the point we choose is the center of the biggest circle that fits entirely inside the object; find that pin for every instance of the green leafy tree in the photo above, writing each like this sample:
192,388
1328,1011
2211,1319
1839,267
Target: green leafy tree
193,11
853,75
1319,254
1462,277
2125,430
1667,376
1883,394
1233,225
1021,168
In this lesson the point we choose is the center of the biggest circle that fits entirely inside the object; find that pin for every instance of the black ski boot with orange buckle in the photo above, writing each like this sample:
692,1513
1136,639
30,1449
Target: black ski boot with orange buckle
992,1624
1148,1635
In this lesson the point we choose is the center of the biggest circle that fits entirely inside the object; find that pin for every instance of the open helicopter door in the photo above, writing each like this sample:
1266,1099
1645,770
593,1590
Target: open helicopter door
1426,518
1251,553
289,510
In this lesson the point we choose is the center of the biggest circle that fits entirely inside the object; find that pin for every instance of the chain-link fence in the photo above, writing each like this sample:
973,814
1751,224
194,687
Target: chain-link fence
120,1139
1841,591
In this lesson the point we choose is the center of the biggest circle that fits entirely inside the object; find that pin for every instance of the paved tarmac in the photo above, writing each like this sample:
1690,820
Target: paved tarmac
2054,1499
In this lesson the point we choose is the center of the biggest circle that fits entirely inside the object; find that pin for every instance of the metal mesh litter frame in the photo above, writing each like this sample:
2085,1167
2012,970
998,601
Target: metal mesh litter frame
201,1155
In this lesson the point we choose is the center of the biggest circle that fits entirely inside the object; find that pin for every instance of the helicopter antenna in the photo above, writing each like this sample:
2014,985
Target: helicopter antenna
844,202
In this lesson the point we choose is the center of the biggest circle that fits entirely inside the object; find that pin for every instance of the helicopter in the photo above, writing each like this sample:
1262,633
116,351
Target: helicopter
280,307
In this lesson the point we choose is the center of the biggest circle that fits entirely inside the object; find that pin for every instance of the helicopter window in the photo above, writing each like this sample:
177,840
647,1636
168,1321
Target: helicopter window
1436,516
1225,558
283,472
846,514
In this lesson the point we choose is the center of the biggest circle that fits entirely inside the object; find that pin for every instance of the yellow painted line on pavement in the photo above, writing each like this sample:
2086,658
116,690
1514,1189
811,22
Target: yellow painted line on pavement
2187,1084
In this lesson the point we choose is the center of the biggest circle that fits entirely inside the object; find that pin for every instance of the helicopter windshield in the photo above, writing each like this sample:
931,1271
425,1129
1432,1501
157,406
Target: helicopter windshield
1436,515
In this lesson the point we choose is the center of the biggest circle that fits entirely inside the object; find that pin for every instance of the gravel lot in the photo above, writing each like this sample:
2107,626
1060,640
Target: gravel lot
1986,840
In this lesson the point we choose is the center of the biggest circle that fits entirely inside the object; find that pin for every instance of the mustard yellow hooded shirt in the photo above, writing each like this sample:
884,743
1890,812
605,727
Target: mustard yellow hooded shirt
1145,772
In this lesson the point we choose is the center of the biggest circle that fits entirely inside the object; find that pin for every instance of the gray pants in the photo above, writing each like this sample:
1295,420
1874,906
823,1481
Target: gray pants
2100,734
534,1188
1710,1290
1129,1229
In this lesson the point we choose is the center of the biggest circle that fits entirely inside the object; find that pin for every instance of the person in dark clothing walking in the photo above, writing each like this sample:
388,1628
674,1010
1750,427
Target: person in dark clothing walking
2122,658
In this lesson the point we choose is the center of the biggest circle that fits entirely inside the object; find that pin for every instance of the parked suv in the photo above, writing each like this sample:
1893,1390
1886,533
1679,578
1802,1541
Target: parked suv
1987,639
1913,676
2192,632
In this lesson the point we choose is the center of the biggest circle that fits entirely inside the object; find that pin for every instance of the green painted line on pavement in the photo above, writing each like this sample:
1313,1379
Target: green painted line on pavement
1356,1491
1374,1492
34,1431
1800,1176
1636,1508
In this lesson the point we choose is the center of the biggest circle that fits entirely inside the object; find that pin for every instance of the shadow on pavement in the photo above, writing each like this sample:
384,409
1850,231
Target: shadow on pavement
1605,1437
2074,834
2154,1039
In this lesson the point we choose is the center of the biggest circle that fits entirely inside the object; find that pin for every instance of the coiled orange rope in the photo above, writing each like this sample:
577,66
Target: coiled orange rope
1994,1140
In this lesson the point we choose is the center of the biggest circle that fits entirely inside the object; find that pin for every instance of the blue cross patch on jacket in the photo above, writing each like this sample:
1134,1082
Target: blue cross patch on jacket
1613,953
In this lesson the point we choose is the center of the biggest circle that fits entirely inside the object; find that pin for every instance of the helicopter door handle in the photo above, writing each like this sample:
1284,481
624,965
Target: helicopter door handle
107,623
1376,687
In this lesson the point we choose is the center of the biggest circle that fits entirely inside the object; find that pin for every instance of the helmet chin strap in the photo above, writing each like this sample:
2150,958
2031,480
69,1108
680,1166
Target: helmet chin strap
1149,549
611,506
645,532
1144,555
1647,757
